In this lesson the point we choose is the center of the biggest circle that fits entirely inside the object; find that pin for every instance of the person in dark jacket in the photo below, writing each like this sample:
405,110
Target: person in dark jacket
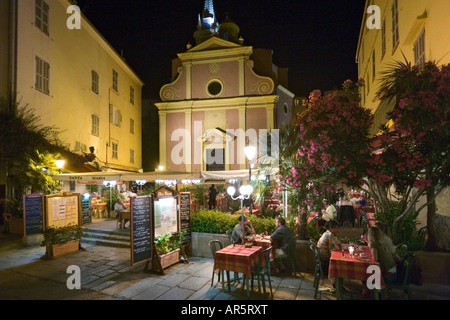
280,239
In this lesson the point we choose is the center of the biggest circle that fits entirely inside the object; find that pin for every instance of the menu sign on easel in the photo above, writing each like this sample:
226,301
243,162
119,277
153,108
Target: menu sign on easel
33,213
185,216
141,229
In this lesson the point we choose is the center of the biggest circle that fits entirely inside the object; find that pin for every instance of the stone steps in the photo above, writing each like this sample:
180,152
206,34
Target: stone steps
110,238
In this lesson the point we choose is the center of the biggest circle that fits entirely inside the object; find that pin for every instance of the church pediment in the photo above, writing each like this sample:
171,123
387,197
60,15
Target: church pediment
214,43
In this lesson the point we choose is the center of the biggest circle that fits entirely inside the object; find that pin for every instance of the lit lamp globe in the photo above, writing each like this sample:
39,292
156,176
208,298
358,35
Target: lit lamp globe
250,152
246,190
231,190
60,164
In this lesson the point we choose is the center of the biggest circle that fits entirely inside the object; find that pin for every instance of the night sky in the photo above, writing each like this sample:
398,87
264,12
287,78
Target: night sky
315,39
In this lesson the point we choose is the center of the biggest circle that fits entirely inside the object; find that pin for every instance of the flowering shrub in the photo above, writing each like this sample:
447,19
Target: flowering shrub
13,208
332,141
415,152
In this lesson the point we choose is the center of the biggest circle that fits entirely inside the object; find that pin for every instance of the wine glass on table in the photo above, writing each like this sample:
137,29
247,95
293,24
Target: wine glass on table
351,249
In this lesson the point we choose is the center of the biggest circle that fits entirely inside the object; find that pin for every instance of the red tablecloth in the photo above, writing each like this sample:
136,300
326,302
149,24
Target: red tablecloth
351,268
238,258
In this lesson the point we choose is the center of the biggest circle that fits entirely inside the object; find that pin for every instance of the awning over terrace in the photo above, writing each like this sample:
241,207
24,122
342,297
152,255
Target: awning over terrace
154,176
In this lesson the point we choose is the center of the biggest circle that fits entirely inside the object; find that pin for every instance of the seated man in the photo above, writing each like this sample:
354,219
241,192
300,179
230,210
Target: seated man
280,238
239,233
121,207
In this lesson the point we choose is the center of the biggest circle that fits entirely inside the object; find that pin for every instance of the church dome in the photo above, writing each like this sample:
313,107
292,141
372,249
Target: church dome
228,30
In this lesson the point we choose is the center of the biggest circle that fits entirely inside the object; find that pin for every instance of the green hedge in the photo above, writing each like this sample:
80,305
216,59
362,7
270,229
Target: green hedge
216,221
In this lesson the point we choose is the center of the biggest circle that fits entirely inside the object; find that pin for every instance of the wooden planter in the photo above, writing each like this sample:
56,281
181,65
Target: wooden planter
170,258
63,248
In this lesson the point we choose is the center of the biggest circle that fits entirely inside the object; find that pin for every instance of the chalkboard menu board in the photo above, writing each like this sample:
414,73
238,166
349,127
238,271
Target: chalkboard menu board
33,211
185,216
86,209
141,229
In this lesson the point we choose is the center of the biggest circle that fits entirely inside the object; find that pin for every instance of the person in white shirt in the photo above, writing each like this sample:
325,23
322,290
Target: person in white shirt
329,213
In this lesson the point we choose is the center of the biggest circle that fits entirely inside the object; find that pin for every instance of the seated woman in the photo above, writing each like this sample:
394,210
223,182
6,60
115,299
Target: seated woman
327,243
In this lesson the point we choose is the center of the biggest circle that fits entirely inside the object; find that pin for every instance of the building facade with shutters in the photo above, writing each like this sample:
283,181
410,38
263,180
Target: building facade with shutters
73,79
413,29
224,96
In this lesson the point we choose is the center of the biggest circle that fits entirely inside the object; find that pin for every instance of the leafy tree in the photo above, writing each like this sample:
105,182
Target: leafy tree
414,154
327,145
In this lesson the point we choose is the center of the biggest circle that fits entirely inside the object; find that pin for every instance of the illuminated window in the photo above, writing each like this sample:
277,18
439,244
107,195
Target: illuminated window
395,33
95,125
373,66
115,150
131,95
115,81
41,16
383,39
42,76
131,156
131,126
94,76
419,49
115,116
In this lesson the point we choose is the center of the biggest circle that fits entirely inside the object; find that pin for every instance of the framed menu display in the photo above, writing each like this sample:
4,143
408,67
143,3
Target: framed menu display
62,210
166,216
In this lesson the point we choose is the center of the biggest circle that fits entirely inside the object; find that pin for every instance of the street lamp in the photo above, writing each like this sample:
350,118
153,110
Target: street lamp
250,152
245,192
60,164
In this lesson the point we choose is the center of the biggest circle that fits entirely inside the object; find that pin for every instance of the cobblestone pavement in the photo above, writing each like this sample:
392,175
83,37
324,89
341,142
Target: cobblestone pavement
106,273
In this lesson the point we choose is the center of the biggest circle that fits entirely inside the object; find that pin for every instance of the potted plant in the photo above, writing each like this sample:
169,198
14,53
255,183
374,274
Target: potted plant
168,247
61,240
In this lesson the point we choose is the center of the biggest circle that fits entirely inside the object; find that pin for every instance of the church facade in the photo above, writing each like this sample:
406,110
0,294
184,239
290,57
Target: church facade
224,96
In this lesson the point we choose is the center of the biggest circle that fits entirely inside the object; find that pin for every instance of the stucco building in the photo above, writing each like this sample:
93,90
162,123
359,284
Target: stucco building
73,79
413,29
224,96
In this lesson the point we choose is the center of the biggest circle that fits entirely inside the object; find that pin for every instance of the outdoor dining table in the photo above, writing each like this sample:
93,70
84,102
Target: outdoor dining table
346,267
237,258
263,242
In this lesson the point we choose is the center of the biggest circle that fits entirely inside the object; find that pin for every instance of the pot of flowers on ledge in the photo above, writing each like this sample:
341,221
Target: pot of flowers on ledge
168,247
61,240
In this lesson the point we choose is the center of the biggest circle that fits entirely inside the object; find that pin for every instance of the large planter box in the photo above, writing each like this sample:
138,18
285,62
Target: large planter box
200,243
56,250
170,258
